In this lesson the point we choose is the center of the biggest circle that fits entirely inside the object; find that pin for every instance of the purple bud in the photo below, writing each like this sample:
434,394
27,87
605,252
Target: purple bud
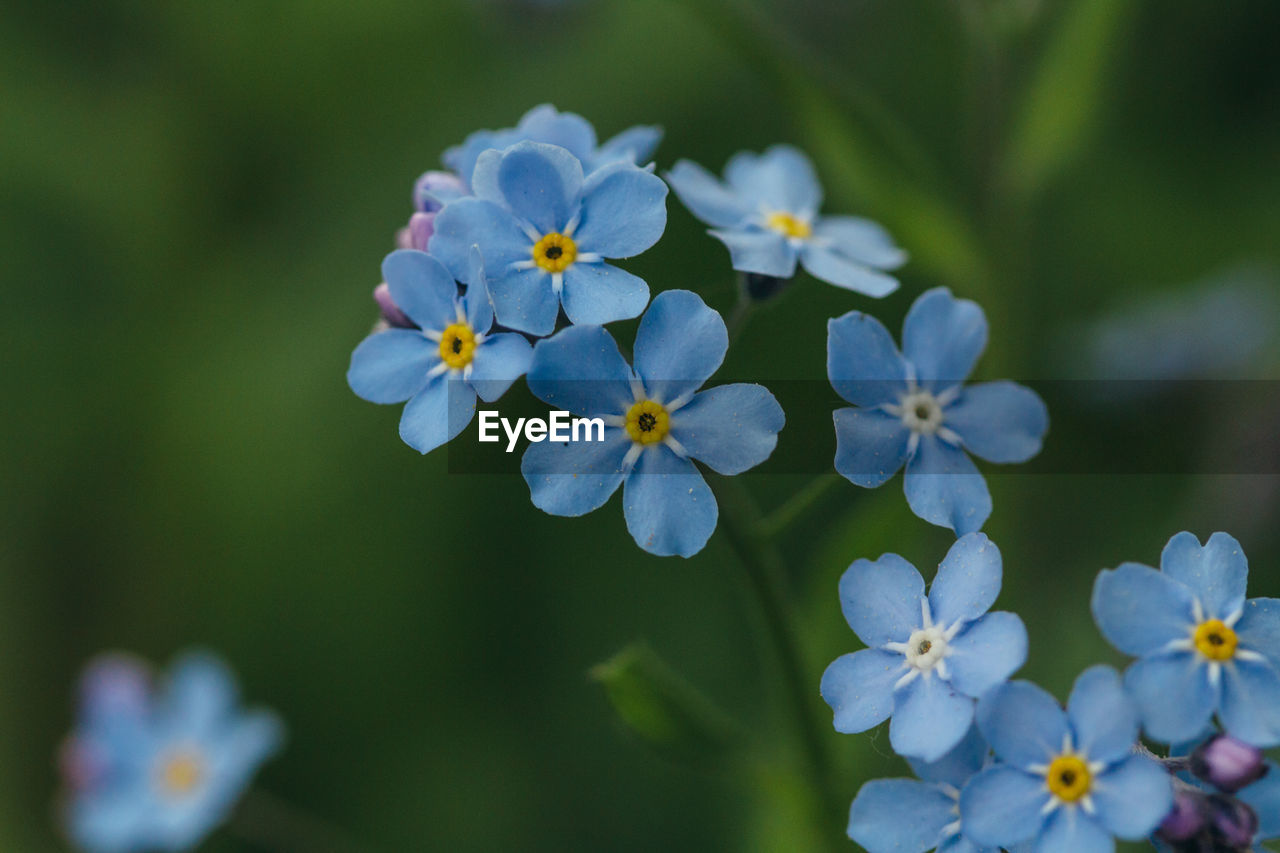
1233,821
1228,764
433,189
80,764
115,685
1187,819
416,234
390,311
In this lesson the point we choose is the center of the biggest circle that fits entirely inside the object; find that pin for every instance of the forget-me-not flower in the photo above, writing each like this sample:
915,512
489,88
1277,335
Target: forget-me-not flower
546,230
766,212
1069,782
914,816
1202,648
657,423
160,770
912,408
928,658
446,361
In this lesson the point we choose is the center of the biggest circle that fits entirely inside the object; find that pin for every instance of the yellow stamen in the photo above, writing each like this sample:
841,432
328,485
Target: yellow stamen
458,345
555,252
181,773
1069,778
790,225
1215,640
648,422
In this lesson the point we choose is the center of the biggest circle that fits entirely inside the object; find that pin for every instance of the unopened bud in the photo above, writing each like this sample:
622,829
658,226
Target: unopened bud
435,189
1187,818
416,234
1228,764
1233,822
390,311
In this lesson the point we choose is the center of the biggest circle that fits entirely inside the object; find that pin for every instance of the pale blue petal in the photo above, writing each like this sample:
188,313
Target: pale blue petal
484,178
200,695
968,580
960,844
541,184
999,421
780,179
955,768
881,599
1153,681
500,360
679,344
1250,708
899,816
595,294
859,240
524,300
929,718
757,251
421,287
668,505
1002,806
871,445
834,268
1102,716
634,145
391,366
112,821
1264,797
581,370
944,487
1024,724
1217,574
544,123
575,477
1133,797
943,337
1259,627
863,363
1140,610
469,222
987,653
859,688
437,414
1072,831
730,428
706,197
477,305
624,212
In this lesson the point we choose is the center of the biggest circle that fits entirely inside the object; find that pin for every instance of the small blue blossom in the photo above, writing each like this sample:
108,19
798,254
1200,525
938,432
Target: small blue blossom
446,360
766,213
159,770
929,658
656,424
546,230
1069,782
1202,648
913,816
912,408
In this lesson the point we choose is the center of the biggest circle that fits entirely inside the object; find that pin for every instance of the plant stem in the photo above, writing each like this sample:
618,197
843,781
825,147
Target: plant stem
268,822
797,505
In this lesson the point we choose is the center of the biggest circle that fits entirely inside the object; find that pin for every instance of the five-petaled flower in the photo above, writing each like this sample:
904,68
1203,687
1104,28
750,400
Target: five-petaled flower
912,408
1202,648
657,422
766,213
929,658
546,229
443,364
1069,781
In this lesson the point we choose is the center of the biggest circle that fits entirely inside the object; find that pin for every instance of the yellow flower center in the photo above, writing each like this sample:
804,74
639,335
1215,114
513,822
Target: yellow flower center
1215,640
181,772
1069,778
555,252
458,345
648,422
790,225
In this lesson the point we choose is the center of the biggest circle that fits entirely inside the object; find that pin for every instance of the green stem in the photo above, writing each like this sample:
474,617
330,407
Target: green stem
269,823
797,505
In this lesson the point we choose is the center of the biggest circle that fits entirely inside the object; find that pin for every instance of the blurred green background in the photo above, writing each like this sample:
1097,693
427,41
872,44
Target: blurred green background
195,198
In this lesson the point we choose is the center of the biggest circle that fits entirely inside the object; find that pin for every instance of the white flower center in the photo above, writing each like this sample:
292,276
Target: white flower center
921,412
926,647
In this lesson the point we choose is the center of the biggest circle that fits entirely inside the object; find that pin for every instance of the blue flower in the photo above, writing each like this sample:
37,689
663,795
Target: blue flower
657,422
1202,648
766,213
546,231
911,816
159,771
1069,781
441,366
913,409
1263,797
930,657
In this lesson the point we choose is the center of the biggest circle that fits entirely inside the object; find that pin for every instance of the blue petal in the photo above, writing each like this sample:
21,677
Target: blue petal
1024,724
899,816
679,344
575,477
730,428
860,240
1071,831
595,294
780,179
1103,717
1153,681
1250,708
1002,806
116,820
955,768
525,301
634,145
987,653
1259,628
999,421
391,366
469,222
944,487
544,123
968,580
871,446
943,337
624,212
477,305
1133,797
1264,797
252,738
200,695
859,688
1217,574
437,413
929,719
706,197
668,505
834,268
762,252
862,362
541,184
499,360
581,370
1140,610
420,287
881,599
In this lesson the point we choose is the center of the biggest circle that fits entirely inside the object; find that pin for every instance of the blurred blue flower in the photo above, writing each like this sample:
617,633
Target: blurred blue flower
929,658
1196,638
446,361
657,422
546,231
913,816
1069,781
159,770
766,213
913,409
